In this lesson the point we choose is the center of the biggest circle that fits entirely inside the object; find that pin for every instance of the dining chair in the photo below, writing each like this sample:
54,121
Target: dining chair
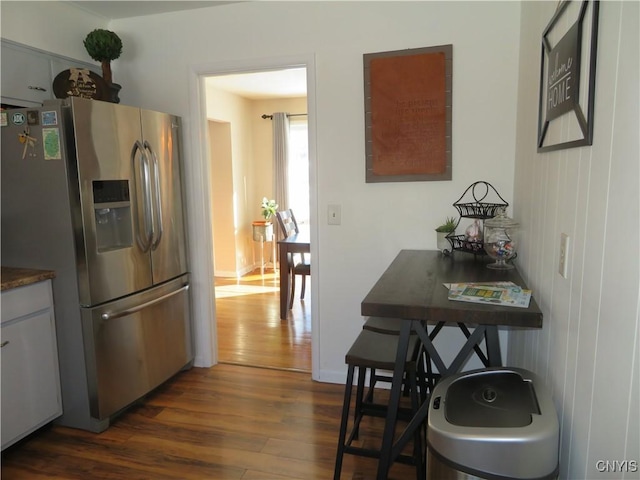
297,264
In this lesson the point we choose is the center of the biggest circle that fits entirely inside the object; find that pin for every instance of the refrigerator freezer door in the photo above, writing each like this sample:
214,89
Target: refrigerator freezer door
161,134
134,344
112,174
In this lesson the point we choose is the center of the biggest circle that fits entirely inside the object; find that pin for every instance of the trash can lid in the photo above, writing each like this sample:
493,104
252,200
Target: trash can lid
495,399
484,442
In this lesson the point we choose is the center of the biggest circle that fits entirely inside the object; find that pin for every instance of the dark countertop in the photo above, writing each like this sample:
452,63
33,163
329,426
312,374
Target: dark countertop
13,277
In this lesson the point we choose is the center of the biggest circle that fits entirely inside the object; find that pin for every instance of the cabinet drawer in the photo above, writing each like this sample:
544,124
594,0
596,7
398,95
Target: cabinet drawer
22,301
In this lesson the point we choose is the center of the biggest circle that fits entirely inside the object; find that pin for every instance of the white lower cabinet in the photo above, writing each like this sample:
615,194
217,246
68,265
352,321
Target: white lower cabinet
29,361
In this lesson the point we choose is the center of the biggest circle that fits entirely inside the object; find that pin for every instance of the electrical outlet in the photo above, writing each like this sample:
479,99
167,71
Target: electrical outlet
563,264
334,214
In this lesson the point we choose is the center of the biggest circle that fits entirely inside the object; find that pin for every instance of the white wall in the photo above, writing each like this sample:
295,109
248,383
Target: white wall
588,348
227,107
223,224
50,26
378,219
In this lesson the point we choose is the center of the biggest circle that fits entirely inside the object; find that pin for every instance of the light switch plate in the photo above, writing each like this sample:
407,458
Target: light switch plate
563,264
334,214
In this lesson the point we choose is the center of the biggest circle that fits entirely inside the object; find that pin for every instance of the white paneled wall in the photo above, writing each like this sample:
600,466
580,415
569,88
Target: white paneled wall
588,348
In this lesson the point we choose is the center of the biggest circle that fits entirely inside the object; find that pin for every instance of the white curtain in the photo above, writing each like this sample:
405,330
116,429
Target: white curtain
280,123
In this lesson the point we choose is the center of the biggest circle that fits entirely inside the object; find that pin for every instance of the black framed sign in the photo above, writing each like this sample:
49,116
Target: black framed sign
568,76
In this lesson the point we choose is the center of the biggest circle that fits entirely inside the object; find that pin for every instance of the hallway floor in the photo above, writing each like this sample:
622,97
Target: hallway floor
250,331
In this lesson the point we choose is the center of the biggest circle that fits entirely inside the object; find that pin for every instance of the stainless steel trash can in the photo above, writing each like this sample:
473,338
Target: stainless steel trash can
495,423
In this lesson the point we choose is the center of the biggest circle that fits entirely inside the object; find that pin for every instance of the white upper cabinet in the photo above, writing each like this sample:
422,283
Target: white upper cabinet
26,77
28,74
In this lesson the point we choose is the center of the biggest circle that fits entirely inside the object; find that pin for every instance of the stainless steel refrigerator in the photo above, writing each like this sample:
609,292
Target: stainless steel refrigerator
93,191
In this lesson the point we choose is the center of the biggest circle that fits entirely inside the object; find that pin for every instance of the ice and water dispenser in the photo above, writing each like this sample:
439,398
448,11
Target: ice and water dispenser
112,208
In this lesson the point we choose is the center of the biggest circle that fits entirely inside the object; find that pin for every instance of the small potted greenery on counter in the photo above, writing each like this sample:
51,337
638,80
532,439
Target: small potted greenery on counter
448,227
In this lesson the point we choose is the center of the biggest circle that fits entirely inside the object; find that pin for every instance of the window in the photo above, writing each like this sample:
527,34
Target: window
299,168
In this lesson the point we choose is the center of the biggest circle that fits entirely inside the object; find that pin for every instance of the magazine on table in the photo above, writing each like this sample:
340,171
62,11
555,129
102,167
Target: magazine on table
496,293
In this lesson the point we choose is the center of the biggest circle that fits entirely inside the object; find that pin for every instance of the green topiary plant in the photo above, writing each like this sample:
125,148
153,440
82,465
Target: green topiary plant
103,46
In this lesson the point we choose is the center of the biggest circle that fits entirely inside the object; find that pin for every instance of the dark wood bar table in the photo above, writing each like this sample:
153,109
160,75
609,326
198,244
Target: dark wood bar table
412,290
297,243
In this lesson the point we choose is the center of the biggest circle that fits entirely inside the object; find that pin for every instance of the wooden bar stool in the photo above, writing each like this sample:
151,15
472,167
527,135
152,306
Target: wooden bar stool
370,352
391,326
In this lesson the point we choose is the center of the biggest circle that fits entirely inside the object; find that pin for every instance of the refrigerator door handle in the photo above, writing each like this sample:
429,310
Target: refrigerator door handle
123,313
157,223
143,171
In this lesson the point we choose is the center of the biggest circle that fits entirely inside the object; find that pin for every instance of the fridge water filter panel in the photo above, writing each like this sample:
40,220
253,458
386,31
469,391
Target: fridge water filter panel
112,214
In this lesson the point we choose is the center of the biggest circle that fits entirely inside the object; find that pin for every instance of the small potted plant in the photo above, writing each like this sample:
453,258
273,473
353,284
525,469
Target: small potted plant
269,208
447,228
105,46
263,230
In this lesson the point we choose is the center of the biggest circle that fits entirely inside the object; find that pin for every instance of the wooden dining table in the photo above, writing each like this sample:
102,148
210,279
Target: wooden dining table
412,290
296,243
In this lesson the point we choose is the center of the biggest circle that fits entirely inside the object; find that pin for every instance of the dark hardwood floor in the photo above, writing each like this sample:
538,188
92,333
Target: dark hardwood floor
226,422
250,331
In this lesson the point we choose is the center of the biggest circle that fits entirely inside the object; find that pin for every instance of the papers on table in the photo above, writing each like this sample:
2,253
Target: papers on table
496,293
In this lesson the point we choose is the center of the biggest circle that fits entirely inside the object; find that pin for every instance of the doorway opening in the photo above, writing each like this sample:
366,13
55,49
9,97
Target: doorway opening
239,106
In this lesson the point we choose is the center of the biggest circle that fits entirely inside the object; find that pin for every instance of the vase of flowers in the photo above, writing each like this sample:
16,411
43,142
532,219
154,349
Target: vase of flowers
269,208
263,229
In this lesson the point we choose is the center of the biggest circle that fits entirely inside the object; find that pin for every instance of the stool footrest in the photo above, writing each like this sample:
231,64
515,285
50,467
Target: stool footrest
378,410
371,453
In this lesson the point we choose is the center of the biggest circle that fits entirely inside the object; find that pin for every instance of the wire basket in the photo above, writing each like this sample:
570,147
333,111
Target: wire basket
473,202
461,244
479,201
